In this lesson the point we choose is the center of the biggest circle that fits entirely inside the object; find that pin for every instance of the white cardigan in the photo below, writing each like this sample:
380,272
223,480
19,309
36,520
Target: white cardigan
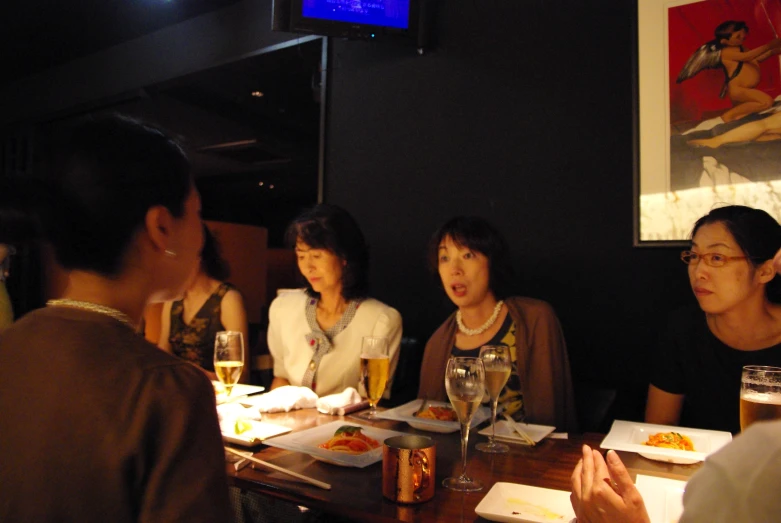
340,368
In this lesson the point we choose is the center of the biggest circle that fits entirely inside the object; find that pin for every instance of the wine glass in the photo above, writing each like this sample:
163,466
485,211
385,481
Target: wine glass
228,358
375,367
465,384
498,366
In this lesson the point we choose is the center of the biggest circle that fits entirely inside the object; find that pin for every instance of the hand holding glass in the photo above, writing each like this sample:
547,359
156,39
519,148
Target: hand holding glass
228,358
760,394
375,367
465,384
496,360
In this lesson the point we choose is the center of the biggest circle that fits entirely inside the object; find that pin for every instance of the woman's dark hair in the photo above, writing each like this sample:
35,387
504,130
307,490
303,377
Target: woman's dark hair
332,228
212,262
114,170
757,234
478,235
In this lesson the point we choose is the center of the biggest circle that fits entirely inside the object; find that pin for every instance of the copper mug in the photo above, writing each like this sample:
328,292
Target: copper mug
408,468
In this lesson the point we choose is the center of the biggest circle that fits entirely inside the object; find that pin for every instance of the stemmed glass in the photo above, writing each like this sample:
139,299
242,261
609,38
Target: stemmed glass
465,384
498,366
375,367
228,358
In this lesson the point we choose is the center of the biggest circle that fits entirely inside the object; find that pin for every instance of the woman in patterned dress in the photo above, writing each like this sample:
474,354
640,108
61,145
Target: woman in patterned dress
209,305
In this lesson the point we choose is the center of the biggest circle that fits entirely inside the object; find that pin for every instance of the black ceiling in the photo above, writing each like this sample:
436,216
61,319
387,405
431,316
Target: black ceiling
256,156
36,35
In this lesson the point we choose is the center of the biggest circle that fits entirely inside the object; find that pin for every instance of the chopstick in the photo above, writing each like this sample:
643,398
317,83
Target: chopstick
312,481
517,428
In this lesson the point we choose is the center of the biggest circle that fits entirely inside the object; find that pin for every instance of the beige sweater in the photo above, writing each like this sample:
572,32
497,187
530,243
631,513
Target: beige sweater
543,364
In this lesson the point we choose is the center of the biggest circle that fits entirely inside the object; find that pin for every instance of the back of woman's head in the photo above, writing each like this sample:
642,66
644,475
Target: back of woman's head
757,234
332,228
477,234
212,262
114,169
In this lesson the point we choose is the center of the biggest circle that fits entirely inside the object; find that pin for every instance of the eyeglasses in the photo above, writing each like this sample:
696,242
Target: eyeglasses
712,259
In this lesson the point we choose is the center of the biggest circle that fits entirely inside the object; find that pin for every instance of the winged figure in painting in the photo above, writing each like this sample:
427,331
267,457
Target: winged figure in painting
740,66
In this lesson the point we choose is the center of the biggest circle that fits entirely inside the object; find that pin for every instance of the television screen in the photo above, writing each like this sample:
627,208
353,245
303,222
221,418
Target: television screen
382,13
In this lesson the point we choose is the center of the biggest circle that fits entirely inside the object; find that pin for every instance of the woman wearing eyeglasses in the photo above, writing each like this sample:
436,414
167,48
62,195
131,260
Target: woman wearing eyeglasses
696,378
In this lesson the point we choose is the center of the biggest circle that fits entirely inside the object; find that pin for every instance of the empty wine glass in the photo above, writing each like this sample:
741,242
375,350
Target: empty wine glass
498,366
228,358
465,384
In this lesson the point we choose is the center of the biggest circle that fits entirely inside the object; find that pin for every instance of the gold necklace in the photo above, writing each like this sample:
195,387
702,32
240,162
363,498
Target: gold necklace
94,307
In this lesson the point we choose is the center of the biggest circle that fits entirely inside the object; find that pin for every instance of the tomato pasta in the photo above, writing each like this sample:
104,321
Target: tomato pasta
350,440
670,440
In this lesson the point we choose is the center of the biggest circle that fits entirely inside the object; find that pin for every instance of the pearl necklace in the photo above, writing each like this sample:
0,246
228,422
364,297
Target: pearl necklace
482,328
94,307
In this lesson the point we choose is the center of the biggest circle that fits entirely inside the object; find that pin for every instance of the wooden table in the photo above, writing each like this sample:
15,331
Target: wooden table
357,493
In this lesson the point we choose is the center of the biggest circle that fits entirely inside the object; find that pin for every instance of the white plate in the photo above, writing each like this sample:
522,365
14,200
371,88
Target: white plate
504,432
663,497
630,436
515,503
259,431
307,441
405,413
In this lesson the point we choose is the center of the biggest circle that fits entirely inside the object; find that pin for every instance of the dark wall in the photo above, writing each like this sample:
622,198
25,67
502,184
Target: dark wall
522,114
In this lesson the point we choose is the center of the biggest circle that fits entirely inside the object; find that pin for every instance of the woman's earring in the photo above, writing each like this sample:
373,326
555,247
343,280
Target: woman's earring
170,253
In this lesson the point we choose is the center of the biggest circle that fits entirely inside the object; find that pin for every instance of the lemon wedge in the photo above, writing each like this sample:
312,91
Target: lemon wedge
241,426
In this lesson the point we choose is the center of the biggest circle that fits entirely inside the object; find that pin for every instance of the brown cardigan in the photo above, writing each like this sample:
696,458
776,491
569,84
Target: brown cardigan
543,365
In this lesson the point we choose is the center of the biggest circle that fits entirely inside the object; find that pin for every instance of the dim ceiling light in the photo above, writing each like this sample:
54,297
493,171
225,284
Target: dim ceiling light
257,94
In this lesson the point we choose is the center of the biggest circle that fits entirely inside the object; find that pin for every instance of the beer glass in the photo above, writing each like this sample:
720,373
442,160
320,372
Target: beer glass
228,358
375,367
760,394
465,384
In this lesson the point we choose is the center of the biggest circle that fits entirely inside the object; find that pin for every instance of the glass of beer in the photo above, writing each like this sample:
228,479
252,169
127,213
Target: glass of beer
375,367
228,358
498,366
760,394
465,385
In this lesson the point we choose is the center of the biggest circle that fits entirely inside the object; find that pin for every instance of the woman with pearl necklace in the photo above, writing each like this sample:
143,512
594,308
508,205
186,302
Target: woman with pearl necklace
473,263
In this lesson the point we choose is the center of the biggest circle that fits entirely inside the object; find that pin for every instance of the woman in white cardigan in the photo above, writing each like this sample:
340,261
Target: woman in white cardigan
315,334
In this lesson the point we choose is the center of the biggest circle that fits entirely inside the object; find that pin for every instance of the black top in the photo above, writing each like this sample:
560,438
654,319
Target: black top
694,362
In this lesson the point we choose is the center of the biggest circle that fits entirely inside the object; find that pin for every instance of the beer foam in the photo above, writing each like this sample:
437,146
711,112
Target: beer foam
761,397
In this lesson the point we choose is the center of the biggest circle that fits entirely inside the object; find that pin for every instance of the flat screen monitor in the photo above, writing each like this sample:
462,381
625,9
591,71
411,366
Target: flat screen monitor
354,18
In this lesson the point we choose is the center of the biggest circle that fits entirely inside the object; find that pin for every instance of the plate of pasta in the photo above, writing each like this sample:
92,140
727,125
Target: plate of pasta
438,416
681,445
340,443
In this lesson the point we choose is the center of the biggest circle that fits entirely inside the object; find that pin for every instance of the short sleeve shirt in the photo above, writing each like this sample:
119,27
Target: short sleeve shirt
693,362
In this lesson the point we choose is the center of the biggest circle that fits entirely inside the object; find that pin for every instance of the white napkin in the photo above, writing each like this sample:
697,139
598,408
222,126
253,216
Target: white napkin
328,404
234,411
285,399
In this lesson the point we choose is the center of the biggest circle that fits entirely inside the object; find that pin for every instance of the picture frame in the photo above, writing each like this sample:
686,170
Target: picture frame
687,159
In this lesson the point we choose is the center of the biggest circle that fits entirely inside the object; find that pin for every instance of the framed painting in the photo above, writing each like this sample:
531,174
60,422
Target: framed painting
708,117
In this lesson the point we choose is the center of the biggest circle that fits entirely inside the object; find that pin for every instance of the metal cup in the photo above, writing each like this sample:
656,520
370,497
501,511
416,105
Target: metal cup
408,468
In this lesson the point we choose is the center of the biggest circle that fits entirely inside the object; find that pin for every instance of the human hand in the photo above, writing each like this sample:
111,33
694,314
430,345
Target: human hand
604,492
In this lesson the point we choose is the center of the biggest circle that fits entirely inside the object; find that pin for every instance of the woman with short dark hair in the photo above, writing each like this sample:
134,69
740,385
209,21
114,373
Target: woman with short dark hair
473,263
315,334
695,380
136,430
